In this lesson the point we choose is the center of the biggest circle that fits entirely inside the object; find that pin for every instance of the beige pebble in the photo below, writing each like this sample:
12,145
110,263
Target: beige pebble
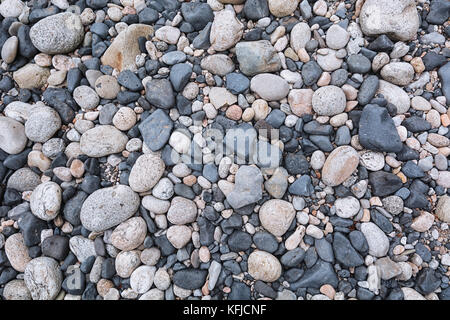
39,160
103,286
328,290
324,79
124,119
204,254
248,114
77,168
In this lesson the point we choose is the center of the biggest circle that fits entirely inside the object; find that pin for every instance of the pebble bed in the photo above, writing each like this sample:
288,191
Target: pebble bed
122,175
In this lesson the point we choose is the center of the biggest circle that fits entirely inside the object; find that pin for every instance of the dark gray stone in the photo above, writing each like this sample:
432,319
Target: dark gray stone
265,241
321,273
237,83
198,14
358,241
377,130
180,75
190,279
293,258
156,129
130,80
368,89
357,63
324,250
416,124
344,252
384,183
159,93
311,72
56,247
256,9
302,186
444,75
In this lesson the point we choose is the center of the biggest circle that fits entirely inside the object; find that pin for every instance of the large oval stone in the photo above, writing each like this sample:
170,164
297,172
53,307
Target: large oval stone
43,278
102,141
396,18
12,135
146,172
107,207
339,165
45,201
59,33
182,211
276,216
264,266
269,87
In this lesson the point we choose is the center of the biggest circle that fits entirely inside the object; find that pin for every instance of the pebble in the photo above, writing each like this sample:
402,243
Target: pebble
373,161
108,207
300,101
45,201
179,236
264,266
11,8
82,248
106,87
31,76
59,33
399,73
269,87
42,124
442,209
300,35
400,17
340,164
162,279
13,135
9,49
181,211
16,290
337,37
226,30
378,242
247,188
122,52
395,95
141,280
277,185
146,172
219,64
256,57
168,34
423,222
17,252
282,8
328,101
43,278
347,207
388,268
102,140
276,216
130,234
328,60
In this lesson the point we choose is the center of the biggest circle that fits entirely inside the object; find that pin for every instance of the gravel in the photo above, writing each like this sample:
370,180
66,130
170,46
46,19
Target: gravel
222,150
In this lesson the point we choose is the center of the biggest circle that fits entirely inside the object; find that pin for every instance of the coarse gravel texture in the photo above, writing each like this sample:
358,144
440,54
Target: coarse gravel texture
221,150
